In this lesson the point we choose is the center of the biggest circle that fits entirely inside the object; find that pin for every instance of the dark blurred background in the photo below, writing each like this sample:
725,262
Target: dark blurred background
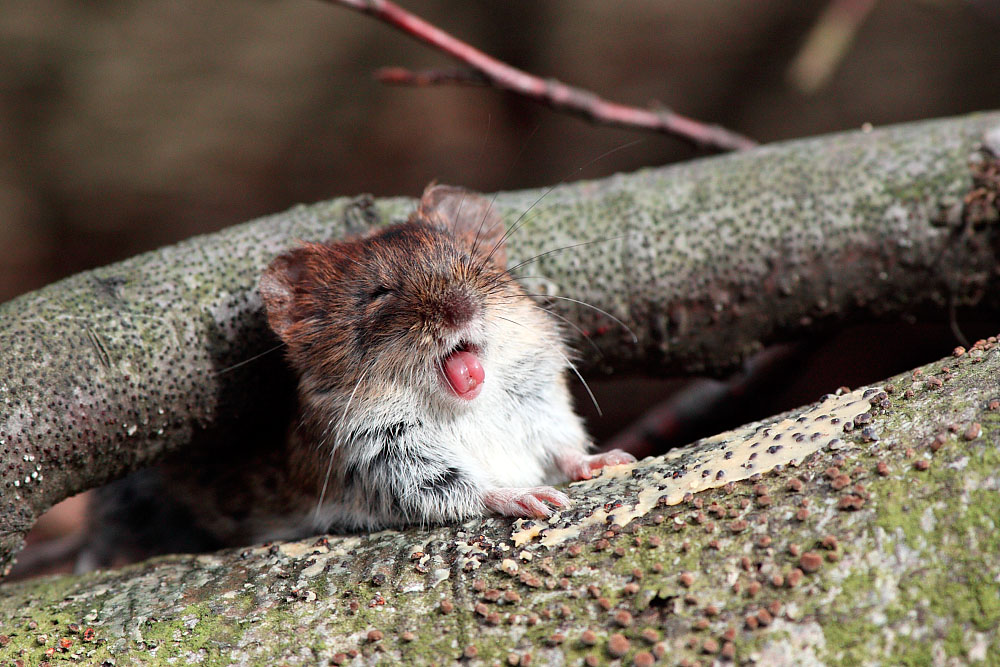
128,125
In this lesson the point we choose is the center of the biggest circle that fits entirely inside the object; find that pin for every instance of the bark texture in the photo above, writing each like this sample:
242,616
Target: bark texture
106,371
880,548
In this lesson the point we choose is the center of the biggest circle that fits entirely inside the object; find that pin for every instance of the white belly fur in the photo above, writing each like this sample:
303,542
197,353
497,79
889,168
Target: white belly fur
518,449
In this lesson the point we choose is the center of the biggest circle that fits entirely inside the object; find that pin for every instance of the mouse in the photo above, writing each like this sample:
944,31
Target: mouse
430,389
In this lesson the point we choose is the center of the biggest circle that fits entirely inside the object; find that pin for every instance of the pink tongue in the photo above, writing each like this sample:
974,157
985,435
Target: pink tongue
465,374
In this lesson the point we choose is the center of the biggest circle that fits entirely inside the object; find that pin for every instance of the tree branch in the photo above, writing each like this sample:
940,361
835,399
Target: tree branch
552,93
879,548
107,371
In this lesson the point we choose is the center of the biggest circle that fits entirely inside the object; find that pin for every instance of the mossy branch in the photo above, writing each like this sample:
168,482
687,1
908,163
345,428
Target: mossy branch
881,547
107,371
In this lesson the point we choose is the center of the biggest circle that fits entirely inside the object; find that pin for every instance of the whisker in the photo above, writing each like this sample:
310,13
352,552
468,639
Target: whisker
572,366
329,466
253,358
440,366
326,482
635,339
568,247
492,286
520,219
482,153
582,333
586,386
506,177
499,281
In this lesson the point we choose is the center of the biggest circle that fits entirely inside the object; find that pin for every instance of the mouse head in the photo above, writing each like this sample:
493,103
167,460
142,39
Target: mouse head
404,302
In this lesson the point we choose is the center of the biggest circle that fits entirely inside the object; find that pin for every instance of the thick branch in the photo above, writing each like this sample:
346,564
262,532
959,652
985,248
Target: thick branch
868,551
549,92
106,371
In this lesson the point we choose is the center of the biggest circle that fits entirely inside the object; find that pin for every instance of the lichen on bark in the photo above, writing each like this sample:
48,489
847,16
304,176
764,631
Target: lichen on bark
880,547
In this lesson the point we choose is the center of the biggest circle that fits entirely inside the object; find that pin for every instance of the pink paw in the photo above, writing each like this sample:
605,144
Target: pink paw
581,466
525,502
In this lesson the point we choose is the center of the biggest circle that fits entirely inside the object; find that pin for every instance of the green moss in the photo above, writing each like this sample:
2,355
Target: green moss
52,626
965,594
212,633
912,654
951,600
852,638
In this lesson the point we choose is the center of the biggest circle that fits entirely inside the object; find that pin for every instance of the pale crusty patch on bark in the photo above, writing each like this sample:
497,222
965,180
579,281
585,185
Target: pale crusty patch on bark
711,463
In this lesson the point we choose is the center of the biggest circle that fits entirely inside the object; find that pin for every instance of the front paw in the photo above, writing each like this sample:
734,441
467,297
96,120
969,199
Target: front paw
581,466
529,503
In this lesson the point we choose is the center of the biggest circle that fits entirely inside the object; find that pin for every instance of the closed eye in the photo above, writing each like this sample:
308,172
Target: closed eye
379,292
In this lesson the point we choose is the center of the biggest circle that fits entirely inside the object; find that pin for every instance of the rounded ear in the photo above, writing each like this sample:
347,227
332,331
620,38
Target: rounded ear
469,216
279,286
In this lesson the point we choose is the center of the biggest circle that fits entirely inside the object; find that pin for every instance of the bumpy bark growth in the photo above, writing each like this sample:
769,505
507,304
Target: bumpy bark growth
881,547
106,371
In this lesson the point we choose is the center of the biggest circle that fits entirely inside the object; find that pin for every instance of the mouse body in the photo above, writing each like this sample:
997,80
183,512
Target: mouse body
431,387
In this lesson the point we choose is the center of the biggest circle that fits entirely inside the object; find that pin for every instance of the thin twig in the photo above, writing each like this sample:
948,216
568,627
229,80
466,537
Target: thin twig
400,76
550,92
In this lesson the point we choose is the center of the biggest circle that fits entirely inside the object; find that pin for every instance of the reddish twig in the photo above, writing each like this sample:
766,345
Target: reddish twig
550,92
400,76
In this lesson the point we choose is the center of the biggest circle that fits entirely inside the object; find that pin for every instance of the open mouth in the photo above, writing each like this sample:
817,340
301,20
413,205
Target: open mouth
463,371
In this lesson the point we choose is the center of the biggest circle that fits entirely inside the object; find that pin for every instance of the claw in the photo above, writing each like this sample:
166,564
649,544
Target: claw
581,466
525,502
